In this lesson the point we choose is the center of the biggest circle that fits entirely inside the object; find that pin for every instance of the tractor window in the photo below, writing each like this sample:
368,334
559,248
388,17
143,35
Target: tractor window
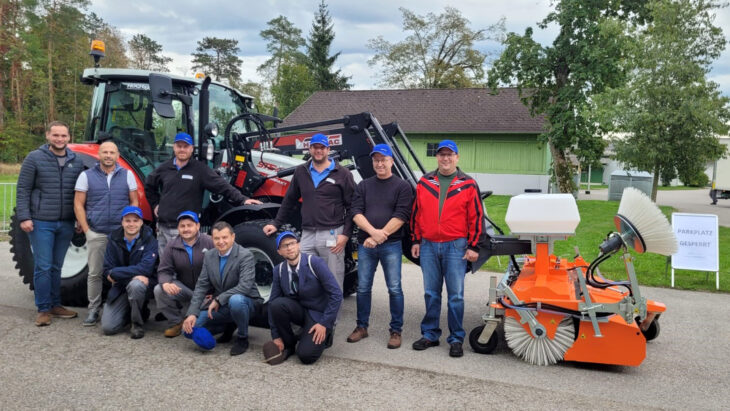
224,105
144,138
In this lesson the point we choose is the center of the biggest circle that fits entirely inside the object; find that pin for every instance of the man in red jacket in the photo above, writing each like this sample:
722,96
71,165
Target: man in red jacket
447,228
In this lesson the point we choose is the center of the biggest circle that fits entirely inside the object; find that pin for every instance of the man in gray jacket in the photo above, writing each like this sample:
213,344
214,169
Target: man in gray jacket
229,272
45,210
179,270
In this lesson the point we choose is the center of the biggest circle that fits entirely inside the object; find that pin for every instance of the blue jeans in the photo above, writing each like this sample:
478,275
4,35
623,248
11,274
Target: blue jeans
238,310
390,257
50,241
443,262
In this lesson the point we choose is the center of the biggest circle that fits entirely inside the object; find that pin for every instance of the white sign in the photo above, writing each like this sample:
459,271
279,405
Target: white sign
699,246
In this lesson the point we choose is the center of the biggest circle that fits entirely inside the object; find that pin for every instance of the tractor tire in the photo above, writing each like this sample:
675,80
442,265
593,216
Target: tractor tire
653,331
75,269
478,348
250,234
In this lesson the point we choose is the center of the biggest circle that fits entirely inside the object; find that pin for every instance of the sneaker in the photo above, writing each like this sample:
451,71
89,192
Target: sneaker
174,331
91,319
272,354
62,312
358,334
424,343
43,318
456,350
137,332
394,340
240,345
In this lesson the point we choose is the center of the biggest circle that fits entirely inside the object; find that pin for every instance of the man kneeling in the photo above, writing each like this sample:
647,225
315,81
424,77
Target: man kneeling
129,264
304,292
230,273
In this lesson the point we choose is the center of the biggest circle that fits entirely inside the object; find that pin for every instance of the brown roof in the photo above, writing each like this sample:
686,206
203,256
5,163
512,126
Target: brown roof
426,110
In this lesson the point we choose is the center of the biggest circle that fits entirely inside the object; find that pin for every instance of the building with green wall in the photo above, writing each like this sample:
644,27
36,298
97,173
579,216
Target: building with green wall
497,137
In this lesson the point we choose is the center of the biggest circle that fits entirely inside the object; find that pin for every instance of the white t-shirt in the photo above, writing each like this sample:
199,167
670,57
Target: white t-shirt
82,184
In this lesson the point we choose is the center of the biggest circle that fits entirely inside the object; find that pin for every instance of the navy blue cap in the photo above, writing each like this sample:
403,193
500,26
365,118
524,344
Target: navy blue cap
284,235
188,214
383,149
132,210
319,138
185,137
448,144
202,338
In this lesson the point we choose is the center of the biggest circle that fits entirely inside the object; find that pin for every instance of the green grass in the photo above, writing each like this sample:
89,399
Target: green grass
7,199
676,188
8,178
596,222
594,186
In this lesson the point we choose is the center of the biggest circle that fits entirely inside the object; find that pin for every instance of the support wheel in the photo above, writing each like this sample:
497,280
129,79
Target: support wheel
653,331
487,348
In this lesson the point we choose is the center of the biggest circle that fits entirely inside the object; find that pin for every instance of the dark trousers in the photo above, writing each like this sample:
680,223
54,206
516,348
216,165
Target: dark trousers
286,311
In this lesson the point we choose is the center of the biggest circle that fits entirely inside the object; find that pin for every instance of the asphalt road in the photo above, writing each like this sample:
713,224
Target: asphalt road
67,366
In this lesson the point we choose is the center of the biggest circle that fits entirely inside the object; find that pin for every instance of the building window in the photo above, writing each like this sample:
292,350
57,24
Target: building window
431,149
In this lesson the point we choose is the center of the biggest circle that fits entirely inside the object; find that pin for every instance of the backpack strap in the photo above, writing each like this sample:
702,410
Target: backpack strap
309,262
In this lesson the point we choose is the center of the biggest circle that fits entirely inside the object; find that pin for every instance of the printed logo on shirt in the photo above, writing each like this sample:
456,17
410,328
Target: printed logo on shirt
187,177
330,180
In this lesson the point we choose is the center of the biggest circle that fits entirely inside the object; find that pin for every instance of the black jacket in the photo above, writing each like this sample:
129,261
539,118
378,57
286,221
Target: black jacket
181,190
45,190
175,262
324,207
123,265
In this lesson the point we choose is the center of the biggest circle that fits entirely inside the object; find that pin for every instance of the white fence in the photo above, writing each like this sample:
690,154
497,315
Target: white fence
7,191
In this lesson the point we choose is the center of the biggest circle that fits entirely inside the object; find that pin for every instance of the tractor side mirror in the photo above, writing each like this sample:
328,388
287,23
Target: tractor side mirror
161,93
211,130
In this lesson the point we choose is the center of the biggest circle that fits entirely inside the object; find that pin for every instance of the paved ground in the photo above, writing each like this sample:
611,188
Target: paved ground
67,366
688,201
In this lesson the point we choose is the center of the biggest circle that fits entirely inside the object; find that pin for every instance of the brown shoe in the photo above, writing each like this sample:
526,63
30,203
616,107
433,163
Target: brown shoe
173,331
358,334
61,312
43,318
394,341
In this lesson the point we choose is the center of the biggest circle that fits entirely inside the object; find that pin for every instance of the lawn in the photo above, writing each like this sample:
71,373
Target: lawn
596,222
7,199
676,188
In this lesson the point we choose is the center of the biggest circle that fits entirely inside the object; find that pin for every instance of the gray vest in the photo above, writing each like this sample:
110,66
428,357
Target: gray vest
104,202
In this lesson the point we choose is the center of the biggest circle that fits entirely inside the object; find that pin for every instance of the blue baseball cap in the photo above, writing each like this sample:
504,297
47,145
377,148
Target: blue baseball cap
132,210
383,149
184,137
188,214
284,235
319,138
202,338
448,144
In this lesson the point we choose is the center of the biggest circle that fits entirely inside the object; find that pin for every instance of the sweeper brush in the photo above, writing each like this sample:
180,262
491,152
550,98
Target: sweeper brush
554,309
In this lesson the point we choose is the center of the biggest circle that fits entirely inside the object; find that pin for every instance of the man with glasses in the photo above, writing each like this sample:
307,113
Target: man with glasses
447,227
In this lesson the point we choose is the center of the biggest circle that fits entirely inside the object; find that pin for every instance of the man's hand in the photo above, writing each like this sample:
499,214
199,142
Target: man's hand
340,245
320,332
470,255
26,226
171,289
269,229
369,243
213,307
144,280
416,250
252,201
78,228
156,208
111,280
189,323
279,343
380,236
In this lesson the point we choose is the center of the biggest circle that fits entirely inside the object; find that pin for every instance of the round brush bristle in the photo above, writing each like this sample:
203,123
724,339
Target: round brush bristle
649,221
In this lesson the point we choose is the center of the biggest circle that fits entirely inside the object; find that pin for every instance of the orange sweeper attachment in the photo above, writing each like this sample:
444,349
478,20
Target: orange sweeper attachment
554,309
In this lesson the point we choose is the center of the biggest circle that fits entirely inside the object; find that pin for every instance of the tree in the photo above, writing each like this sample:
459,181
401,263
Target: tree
261,96
283,42
295,85
146,54
318,48
218,57
669,110
440,52
587,56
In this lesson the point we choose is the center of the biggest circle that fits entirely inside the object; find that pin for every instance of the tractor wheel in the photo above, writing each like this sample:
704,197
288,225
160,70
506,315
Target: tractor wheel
478,348
251,235
73,273
653,331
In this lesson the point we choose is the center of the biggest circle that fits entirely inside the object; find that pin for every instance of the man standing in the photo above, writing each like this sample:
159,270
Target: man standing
304,292
326,190
102,192
228,272
179,270
45,193
381,206
447,227
129,264
178,185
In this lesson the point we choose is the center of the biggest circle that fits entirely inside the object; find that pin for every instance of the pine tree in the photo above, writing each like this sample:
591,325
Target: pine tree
318,48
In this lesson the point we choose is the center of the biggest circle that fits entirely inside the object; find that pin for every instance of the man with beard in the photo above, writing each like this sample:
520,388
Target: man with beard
45,210
102,192
304,292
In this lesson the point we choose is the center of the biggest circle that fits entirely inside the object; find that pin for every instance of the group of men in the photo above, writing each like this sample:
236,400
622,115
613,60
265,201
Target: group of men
205,285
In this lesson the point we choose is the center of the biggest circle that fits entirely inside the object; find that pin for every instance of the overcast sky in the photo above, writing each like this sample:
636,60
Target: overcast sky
179,24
